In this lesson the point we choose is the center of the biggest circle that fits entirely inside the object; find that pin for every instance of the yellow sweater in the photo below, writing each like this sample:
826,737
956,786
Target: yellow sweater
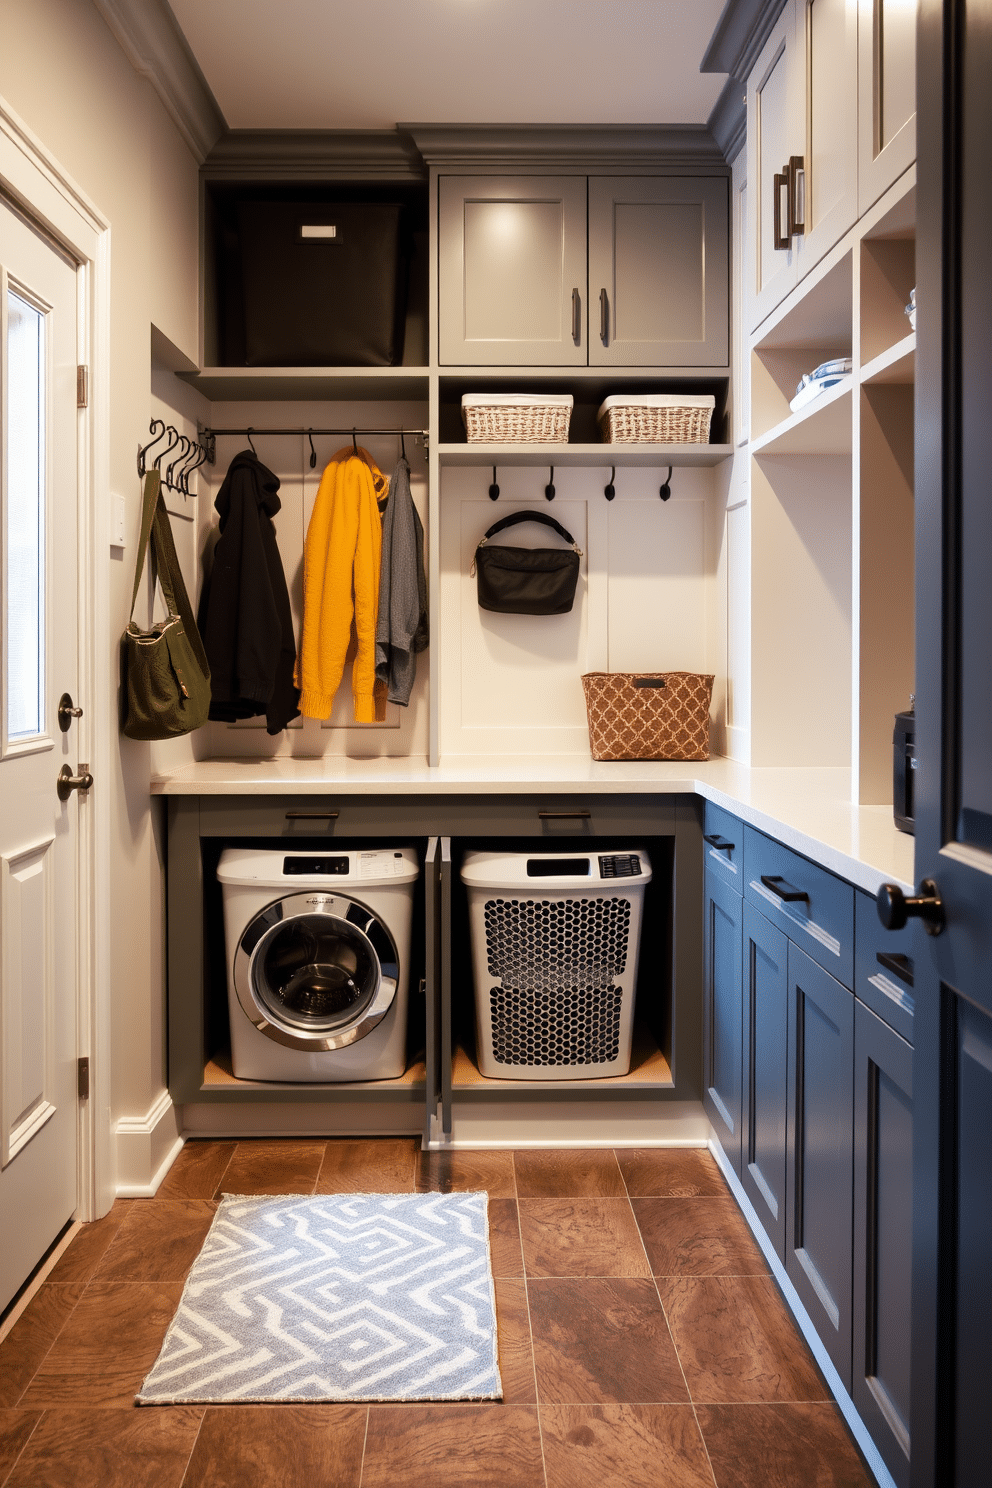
341,586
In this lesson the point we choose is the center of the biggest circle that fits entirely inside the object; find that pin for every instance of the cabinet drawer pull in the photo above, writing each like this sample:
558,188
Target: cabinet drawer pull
797,185
581,815
899,965
311,816
604,316
780,184
782,889
720,843
576,316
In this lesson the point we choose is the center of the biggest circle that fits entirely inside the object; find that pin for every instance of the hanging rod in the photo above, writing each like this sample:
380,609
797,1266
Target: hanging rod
209,435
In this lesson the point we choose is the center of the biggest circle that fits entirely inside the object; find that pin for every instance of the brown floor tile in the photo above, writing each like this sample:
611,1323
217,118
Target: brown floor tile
598,1341
458,1172
672,1172
640,1446
158,1241
736,1340
108,1449
198,1171
31,1337
376,1166
504,1238
88,1244
453,1446
290,1446
279,1166
516,1353
15,1429
581,1237
568,1174
778,1446
108,1345
697,1237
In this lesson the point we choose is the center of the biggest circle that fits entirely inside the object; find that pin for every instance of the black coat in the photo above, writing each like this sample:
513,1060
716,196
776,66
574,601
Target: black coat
245,619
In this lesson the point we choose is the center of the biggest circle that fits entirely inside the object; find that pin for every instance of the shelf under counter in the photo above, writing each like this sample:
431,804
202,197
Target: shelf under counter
649,1072
220,1083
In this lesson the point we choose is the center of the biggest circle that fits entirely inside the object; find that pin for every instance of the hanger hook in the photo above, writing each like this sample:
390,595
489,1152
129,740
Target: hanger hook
143,449
171,478
174,437
354,439
313,452
666,489
402,444
494,488
251,445
549,489
610,491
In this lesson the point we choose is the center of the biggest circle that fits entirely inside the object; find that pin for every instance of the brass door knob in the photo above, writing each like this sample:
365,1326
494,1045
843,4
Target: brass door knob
67,782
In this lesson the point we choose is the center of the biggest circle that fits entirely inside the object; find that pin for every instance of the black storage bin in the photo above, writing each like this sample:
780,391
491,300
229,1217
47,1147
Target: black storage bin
323,283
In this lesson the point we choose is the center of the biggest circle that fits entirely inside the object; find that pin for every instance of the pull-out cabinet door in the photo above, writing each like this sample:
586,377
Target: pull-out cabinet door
437,905
821,1154
658,271
766,1008
512,270
723,1014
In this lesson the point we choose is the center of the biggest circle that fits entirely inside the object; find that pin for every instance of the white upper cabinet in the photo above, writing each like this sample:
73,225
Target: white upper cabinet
827,42
886,95
774,143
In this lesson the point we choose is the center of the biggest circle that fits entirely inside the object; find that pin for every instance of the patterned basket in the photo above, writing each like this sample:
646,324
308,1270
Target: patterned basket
648,715
661,420
517,420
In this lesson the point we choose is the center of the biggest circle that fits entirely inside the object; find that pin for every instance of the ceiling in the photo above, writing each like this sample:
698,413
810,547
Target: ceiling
371,64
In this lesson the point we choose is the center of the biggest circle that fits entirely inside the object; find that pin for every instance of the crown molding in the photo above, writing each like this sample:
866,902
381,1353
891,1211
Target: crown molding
728,121
150,38
296,154
581,146
740,33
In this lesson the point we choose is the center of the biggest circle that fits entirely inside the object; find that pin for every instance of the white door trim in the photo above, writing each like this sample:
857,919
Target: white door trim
31,176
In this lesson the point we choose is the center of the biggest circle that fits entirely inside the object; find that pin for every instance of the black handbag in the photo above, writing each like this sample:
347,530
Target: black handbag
526,581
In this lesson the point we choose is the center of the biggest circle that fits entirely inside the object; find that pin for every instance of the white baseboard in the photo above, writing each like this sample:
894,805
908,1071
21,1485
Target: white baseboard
577,1123
847,1408
147,1146
300,1119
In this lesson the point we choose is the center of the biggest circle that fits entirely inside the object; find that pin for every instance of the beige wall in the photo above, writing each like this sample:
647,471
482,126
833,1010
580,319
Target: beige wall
63,72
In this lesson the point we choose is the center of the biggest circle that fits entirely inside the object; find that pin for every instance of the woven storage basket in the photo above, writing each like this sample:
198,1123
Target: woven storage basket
513,418
648,715
663,419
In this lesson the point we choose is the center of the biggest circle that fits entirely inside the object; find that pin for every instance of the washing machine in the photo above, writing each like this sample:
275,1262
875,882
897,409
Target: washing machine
318,951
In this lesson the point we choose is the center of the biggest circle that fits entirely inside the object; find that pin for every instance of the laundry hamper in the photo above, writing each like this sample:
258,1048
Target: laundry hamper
555,940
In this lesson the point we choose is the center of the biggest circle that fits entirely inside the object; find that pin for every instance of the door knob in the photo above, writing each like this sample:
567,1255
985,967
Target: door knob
894,909
67,712
67,782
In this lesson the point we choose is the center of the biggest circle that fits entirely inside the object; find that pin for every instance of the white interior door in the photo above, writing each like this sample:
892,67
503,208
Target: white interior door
39,870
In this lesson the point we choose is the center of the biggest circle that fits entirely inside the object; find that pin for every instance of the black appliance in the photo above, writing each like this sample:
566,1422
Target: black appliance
904,769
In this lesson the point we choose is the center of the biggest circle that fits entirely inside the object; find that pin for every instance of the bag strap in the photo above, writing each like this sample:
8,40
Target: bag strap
148,504
517,517
156,527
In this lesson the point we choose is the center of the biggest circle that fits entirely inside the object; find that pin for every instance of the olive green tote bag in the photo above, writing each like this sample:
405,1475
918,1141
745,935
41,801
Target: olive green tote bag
165,675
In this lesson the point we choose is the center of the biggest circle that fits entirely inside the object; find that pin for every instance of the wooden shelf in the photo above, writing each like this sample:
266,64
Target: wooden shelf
602,455
897,365
219,1080
821,428
649,1070
310,384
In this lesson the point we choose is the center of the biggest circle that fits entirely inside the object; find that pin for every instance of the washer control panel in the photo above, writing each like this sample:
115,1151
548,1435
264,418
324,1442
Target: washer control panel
620,865
299,866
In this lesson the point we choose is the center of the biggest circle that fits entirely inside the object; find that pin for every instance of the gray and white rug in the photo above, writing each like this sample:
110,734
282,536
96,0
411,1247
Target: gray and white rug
337,1297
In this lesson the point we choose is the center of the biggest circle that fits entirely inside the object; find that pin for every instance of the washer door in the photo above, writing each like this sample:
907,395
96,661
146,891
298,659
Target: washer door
316,971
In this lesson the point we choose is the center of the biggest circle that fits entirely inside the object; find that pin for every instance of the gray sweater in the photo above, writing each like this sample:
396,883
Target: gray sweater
401,626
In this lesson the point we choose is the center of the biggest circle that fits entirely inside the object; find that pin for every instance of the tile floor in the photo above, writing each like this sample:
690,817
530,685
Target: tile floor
642,1341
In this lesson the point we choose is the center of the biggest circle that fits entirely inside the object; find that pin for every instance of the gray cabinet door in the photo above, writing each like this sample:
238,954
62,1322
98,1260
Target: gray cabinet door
658,271
883,1227
723,1014
821,1152
766,1008
512,270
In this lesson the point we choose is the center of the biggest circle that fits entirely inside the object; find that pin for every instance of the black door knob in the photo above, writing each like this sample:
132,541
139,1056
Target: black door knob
894,909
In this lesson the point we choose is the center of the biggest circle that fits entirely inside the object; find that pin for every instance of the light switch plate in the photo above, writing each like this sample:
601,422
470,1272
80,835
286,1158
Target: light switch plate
117,514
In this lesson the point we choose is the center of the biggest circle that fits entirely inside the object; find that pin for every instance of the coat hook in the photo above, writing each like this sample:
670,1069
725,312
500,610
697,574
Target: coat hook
354,440
402,444
144,448
494,488
253,449
549,489
313,452
666,489
610,491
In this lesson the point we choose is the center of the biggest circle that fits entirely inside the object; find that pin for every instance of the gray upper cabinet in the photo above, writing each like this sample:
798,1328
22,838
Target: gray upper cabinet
526,278
512,270
658,271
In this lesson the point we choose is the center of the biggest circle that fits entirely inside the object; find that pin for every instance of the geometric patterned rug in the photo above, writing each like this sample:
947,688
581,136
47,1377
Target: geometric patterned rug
336,1297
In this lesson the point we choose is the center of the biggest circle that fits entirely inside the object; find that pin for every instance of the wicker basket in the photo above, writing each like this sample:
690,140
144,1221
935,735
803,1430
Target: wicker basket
513,418
648,715
663,419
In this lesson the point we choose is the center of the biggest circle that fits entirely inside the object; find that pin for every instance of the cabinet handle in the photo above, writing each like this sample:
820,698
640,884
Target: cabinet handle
576,316
604,316
797,182
720,843
899,965
564,815
311,816
781,183
782,889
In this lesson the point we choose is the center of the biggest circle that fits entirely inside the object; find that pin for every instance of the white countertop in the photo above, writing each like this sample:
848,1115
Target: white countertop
808,810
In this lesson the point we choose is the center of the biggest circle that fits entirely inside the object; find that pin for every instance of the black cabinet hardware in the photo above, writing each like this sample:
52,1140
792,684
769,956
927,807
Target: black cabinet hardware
900,966
782,889
720,843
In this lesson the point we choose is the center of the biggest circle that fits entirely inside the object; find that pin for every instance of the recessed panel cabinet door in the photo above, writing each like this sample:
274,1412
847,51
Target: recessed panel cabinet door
774,136
723,911
886,95
827,43
658,271
766,1009
512,270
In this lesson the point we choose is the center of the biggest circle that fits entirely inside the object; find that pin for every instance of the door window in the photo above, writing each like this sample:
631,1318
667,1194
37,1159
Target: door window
25,485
